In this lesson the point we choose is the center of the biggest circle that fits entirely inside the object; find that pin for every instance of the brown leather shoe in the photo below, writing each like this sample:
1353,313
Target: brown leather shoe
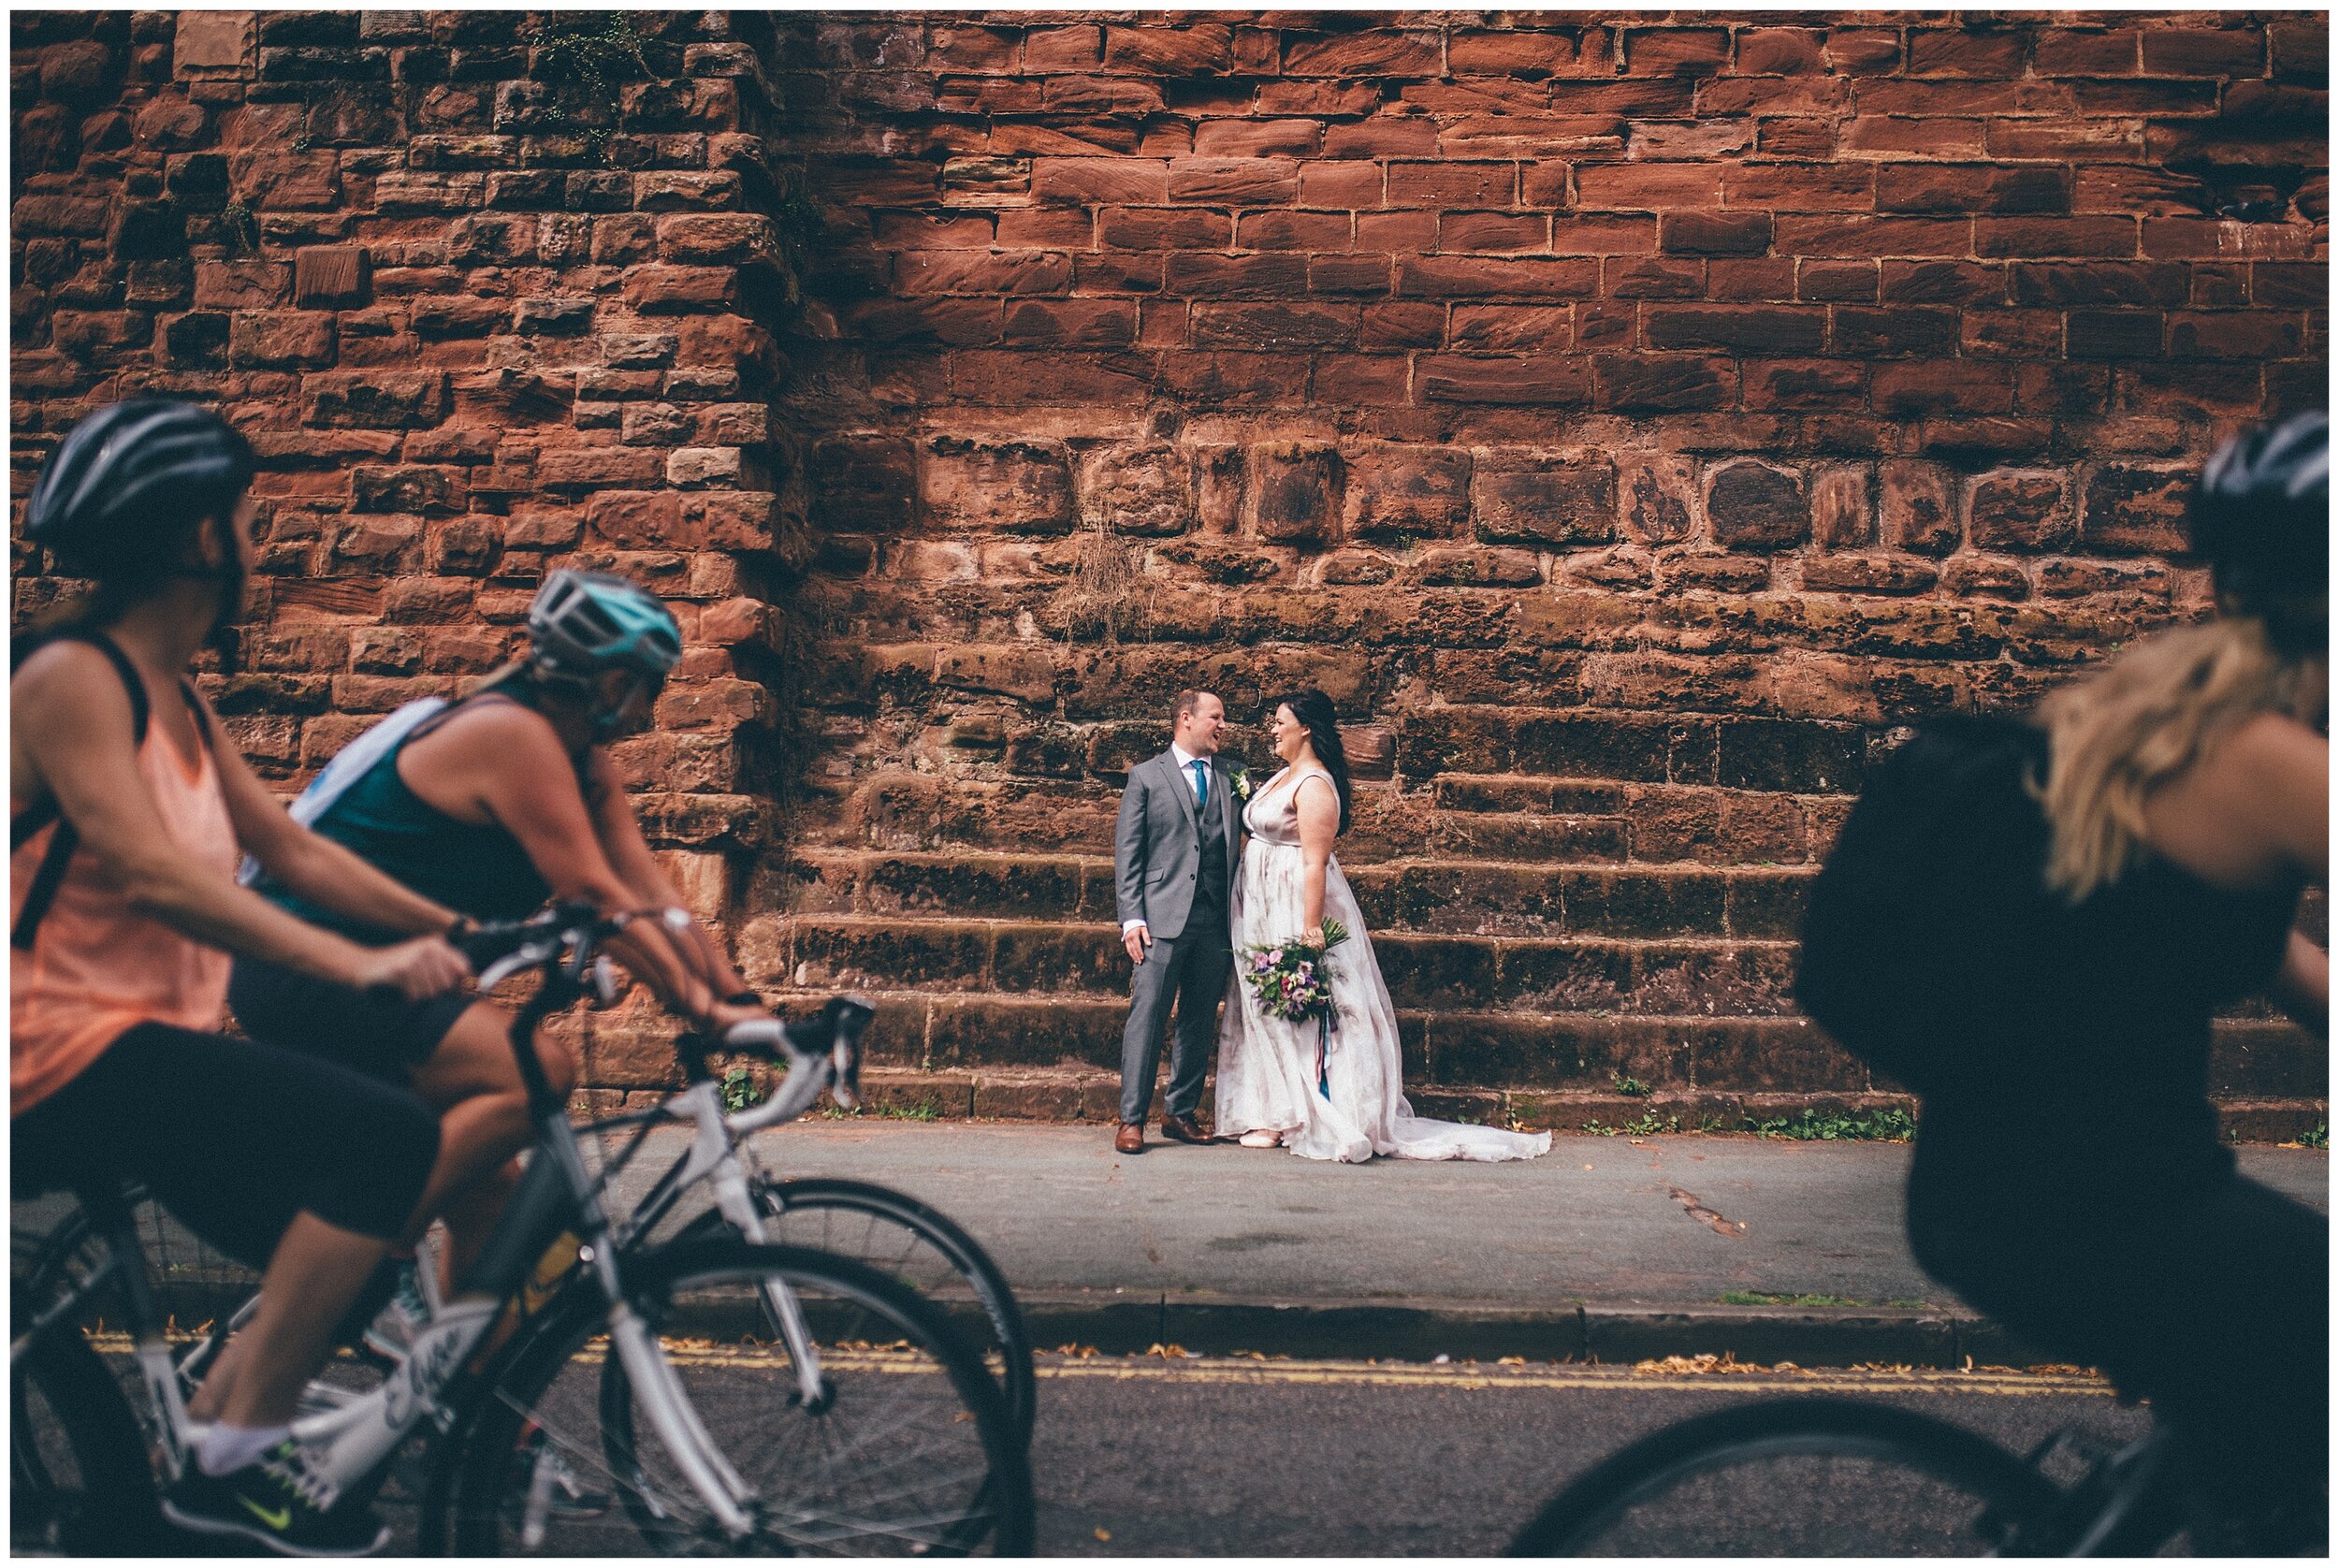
1130,1140
1182,1129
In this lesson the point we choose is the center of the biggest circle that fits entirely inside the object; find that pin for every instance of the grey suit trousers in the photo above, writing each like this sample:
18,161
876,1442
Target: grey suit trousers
1190,969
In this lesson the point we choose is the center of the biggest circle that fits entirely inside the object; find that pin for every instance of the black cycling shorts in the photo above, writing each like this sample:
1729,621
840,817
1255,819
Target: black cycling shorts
234,1138
2213,1303
382,1037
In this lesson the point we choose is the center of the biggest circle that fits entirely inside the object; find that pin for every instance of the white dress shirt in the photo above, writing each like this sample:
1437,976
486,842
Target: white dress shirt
1186,761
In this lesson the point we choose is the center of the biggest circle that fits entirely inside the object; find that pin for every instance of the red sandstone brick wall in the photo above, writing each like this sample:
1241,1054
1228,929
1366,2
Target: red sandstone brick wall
474,323
1628,422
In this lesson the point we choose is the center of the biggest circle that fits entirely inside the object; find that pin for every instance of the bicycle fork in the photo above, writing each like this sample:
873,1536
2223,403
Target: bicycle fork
736,1200
665,1403
715,1159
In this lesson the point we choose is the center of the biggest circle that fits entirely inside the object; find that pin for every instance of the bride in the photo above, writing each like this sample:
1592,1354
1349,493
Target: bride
1269,1089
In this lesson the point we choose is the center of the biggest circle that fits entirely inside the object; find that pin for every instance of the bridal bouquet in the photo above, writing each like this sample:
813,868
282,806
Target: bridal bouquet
1293,982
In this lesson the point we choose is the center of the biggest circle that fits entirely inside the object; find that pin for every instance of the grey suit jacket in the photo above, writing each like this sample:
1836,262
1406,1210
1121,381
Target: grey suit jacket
1157,843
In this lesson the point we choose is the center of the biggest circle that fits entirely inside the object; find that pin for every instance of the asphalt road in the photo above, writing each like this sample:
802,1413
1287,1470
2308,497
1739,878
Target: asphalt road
1138,1457
1154,1457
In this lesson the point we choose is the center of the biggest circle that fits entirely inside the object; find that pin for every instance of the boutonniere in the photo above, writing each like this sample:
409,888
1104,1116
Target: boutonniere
1240,778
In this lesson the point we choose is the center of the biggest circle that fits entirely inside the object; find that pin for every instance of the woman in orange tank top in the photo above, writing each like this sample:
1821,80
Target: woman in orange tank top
128,814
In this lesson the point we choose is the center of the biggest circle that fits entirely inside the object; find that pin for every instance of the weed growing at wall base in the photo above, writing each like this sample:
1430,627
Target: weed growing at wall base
1890,1127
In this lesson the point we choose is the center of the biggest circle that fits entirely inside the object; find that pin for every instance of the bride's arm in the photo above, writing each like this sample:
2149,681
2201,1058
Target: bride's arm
1319,810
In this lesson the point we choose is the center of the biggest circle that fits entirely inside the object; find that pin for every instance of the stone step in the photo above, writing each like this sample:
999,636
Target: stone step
1092,1094
1475,973
1486,897
1102,740
1505,817
632,1047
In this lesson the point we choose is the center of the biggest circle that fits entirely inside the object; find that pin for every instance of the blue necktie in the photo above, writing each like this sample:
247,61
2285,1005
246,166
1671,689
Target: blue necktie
1201,781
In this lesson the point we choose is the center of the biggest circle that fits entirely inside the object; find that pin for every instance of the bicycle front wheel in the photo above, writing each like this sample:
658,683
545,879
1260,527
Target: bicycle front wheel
908,1241
903,1448
1798,1477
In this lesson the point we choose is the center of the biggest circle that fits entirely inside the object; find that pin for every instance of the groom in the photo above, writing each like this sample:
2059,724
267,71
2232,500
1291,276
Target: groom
1174,861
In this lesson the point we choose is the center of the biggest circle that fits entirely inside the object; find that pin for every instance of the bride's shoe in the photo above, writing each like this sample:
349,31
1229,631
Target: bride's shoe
1261,1139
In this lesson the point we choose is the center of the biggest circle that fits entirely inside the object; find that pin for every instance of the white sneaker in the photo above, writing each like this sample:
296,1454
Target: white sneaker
403,1317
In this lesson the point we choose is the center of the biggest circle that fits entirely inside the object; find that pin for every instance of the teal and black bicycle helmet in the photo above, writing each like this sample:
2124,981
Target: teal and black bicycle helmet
585,624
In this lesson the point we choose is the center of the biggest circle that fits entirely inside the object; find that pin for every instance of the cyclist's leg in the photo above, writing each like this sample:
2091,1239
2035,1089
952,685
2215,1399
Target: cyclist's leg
2239,1353
473,1081
451,1051
2215,1309
243,1142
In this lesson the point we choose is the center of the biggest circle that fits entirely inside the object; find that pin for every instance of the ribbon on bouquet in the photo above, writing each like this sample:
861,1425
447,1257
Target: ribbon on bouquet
1326,1027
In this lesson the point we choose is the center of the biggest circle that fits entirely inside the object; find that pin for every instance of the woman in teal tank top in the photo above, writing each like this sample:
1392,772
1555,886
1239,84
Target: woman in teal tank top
490,807
478,868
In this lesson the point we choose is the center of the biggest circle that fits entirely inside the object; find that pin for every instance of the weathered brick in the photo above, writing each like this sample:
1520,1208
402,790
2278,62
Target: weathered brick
1527,497
2130,509
1292,492
1404,492
1753,505
1016,485
2015,510
1457,378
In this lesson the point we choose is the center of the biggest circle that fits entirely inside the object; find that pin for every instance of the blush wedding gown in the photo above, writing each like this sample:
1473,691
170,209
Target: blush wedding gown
1267,1078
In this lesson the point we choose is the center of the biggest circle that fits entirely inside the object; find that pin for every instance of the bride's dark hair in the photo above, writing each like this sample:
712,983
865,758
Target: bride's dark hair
1314,710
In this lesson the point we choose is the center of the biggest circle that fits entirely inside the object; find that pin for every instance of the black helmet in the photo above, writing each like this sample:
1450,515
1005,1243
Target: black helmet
123,488
2262,519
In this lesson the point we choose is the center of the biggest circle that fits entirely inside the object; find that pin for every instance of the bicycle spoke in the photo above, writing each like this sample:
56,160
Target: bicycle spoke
891,1459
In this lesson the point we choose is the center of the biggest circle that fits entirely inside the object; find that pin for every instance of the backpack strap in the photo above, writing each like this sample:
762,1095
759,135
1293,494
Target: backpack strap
51,877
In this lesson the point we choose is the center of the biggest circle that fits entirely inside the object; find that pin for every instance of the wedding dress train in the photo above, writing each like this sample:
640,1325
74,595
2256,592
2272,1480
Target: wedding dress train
1267,1067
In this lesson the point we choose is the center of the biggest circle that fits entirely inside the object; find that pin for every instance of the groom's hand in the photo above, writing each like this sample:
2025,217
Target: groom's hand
1136,938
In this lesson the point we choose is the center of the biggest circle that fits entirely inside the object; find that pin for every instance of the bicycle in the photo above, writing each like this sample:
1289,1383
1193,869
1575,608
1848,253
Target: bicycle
936,1255
618,1387
1818,1476
887,1230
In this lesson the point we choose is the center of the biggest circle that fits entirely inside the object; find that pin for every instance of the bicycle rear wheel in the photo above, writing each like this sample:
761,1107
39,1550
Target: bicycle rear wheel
78,1475
1797,1477
909,1450
908,1241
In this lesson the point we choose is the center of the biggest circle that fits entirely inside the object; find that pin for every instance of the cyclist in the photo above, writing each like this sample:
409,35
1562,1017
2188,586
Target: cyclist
2129,861
128,814
490,806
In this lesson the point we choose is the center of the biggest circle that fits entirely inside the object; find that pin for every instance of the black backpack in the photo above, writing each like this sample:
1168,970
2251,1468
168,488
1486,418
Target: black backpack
1927,917
50,876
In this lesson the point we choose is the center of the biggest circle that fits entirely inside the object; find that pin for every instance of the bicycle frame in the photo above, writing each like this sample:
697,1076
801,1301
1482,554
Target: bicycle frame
718,1157
351,1442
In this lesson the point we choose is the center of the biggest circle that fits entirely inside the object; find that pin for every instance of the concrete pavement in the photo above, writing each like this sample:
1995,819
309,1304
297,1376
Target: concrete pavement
1610,1248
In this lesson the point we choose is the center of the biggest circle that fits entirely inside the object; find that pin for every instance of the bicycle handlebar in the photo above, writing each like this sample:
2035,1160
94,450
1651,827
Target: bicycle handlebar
823,1053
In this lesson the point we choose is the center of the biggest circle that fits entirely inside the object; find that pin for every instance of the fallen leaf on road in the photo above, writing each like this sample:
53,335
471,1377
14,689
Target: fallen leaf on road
1103,1534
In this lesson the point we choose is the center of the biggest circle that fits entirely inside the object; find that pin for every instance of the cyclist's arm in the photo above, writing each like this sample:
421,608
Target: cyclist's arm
72,731
320,871
510,762
630,856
